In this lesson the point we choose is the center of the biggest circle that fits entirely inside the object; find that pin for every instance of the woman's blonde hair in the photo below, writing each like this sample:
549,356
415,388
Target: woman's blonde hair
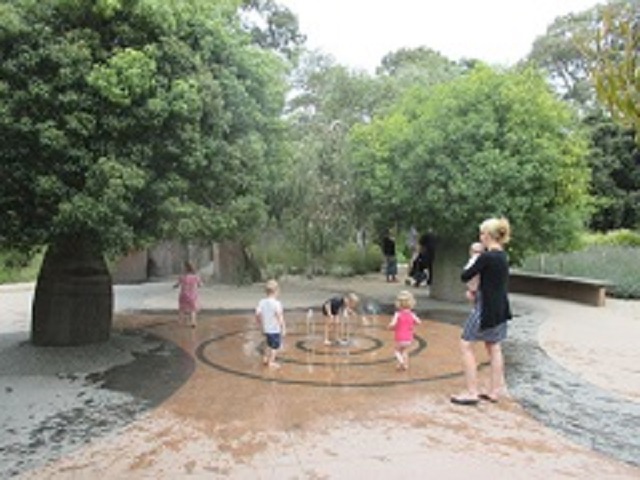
405,299
498,229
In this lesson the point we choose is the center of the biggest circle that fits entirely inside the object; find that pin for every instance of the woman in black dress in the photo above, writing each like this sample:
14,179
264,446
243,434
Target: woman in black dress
488,321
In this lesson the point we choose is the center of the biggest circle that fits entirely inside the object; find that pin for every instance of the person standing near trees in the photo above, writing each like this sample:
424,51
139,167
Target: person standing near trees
188,303
389,252
488,320
428,248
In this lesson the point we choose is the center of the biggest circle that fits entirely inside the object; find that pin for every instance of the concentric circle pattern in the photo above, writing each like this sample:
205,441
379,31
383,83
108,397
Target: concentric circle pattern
363,355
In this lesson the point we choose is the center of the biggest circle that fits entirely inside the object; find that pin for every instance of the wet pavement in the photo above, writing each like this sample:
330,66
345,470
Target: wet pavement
161,400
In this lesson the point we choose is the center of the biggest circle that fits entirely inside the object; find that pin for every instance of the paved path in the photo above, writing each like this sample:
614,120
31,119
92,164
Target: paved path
165,401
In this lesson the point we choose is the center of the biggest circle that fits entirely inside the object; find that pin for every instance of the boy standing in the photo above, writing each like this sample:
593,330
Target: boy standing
270,319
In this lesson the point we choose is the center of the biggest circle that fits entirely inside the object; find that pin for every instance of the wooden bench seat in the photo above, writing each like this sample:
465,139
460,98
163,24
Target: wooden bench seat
583,290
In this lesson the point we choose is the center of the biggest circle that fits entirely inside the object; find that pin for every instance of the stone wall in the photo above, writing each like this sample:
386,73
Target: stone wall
166,259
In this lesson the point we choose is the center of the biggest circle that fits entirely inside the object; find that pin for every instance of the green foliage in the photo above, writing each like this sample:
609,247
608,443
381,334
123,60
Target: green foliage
566,53
614,238
129,121
350,259
615,161
619,265
487,144
406,69
314,192
278,258
18,267
278,254
558,54
277,27
613,51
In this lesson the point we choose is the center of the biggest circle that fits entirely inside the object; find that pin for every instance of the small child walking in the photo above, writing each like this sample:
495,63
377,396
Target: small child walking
270,318
332,309
188,299
403,323
475,249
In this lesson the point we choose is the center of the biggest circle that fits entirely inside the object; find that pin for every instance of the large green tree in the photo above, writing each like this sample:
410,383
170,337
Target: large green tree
615,184
407,68
568,53
558,53
273,26
313,197
124,121
615,61
327,101
488,143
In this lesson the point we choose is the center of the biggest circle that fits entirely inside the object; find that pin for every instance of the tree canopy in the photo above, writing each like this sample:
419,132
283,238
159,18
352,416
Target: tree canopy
488,143
559,54
615,64
568,54
131,120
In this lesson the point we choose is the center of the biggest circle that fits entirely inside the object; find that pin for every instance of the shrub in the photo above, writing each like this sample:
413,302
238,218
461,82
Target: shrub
17,267
276,260
620,238
358,261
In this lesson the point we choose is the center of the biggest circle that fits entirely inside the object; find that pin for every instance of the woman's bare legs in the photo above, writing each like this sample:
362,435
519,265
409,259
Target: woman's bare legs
470,368
496,379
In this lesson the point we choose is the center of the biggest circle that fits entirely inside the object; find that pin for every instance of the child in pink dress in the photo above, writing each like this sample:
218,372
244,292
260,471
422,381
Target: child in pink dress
403,323
188,303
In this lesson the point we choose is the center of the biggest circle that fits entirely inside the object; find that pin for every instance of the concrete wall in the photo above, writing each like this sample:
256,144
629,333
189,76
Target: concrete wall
166,259
131,268
232,265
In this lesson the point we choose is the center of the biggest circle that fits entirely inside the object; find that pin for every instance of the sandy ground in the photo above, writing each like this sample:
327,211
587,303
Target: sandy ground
327,413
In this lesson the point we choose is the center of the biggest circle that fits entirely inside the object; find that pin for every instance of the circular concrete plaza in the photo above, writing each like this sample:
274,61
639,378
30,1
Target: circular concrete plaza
362,355
162,400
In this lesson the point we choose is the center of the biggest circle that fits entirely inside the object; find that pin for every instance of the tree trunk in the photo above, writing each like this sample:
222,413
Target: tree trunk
73,301
449,260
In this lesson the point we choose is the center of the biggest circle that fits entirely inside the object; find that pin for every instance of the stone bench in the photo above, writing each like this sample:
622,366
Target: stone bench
583,290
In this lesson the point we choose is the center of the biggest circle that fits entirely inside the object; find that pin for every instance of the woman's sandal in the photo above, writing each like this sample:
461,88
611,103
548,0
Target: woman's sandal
467,401
487,398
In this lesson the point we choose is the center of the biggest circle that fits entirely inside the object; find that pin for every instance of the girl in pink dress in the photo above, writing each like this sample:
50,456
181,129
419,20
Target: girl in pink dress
403,323
188,303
